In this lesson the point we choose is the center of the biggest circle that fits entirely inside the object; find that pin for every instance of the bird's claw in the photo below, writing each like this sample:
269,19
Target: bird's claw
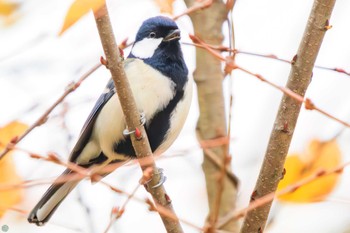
162,179
127,132
142,118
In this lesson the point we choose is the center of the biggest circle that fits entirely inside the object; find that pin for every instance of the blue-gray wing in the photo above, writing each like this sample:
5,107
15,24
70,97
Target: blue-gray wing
86,131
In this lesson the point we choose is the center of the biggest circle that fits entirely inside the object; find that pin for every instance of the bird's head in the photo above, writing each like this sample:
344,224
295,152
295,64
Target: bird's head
157,44
157,36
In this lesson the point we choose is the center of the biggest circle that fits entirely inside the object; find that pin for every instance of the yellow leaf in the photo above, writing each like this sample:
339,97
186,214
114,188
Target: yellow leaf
165,6
8,173
7,8
318,156
78,9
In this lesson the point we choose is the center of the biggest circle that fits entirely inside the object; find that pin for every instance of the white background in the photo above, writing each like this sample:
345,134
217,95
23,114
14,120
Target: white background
36,65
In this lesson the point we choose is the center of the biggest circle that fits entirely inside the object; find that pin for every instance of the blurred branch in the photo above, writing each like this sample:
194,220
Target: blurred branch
231,65
274,57
6,208
195,6
211,125
287,190
43,118
268,56
89,173
286,119
94,175
309,105
117,212
132,116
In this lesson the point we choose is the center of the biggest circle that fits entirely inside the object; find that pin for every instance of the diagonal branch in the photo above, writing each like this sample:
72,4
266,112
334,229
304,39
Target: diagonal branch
231,65
132,116
286,119
42,119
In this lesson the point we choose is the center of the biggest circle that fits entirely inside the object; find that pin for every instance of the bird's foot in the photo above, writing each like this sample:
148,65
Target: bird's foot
142,118
127,132
162,179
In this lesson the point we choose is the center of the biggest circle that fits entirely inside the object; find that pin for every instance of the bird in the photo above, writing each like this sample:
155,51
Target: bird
158,77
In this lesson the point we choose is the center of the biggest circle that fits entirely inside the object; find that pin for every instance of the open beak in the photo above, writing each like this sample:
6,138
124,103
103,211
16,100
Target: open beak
173,35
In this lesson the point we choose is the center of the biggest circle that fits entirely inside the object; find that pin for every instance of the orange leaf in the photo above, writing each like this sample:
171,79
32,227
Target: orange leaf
318,156
8,173
7,8
165,6
78,9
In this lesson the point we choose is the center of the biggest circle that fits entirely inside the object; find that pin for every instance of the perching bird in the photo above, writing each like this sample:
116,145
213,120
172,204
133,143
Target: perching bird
158,77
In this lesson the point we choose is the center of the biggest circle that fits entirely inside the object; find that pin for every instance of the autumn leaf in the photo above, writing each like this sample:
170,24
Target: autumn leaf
7,8
165,6
78,9
8,173
8,12
318,156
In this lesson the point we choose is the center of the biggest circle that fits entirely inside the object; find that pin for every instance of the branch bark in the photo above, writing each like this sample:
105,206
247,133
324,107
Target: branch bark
132,116
208,76
299,78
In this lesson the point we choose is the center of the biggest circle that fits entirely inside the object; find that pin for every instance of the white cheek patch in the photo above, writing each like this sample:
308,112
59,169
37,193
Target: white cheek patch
145,48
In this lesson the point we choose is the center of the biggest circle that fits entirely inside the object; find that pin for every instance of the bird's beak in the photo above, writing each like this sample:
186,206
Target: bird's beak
173,35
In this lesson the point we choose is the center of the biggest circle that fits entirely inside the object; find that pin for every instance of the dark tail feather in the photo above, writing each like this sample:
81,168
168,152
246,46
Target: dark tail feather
52,198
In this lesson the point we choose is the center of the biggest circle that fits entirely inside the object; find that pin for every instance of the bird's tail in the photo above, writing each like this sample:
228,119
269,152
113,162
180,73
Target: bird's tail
52,198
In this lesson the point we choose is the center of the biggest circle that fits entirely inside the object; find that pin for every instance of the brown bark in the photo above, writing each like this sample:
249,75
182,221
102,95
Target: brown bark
132,117
212,121
286,119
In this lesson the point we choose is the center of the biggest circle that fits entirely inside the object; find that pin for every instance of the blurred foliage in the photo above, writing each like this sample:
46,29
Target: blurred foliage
165,6
78,9
8,174
318,156
8,12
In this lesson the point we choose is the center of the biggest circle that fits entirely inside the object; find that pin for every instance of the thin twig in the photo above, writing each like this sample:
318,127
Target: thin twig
268,56
116,213
6,208
198,5
94,175
309,105
287,190
43,118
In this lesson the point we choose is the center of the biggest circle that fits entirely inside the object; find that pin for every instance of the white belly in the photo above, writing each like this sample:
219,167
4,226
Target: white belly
178,118
152,91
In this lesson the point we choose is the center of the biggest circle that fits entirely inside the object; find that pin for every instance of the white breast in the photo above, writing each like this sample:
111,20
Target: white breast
152,91
178,118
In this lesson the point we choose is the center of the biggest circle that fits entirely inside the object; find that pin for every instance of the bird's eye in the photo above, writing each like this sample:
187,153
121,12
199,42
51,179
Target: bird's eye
152,35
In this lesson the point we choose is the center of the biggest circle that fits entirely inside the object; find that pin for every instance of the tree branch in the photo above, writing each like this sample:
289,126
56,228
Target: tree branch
43,118
285,122
208,75
132,116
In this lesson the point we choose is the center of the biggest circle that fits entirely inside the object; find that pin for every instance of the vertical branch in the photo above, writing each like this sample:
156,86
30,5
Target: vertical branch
281,136
212,122
132,116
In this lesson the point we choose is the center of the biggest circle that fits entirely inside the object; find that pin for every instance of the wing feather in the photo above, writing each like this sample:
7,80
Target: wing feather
86,131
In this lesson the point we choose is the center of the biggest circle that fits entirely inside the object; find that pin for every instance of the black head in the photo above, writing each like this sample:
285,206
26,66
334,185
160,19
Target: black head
157,44
157,27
